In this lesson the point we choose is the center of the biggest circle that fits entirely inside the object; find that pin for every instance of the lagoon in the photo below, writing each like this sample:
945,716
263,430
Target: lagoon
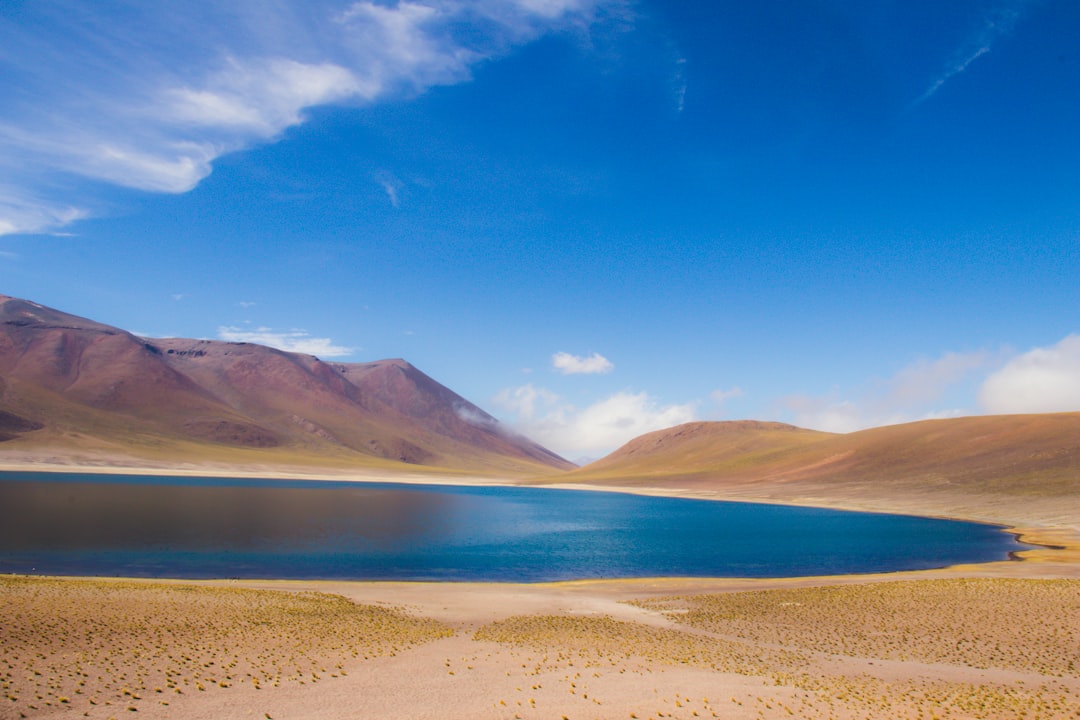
184,527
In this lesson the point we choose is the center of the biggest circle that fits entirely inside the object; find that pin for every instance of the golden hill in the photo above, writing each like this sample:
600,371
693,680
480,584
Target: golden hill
973,466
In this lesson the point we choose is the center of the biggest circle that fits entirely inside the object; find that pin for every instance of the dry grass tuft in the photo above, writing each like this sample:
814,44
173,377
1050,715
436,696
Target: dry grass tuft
601,641
86,643
1023,625
887,649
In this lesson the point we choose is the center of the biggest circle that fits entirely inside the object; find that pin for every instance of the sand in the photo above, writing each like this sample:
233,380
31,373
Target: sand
998,640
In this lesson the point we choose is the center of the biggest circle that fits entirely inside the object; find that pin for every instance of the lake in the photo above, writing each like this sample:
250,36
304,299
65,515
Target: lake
149,526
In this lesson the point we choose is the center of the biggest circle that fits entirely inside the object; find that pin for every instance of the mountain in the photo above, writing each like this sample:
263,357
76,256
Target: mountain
715,448
71,386
985,466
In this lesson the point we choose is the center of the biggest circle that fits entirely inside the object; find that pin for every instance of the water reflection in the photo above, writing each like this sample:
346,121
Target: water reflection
223,528
81,516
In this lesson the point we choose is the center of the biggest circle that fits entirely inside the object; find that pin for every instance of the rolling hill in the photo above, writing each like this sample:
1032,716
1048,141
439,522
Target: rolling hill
74,387
992,467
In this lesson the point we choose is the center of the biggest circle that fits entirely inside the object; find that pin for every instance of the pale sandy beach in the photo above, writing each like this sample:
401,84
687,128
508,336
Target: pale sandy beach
998,640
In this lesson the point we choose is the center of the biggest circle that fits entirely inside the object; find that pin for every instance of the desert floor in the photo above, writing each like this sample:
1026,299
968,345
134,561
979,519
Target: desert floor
999,640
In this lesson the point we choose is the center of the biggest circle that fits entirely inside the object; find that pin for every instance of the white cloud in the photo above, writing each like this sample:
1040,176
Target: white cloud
259,97
477,417
569,364
522,401
153,99
298,341
591,431
913,393
21,212
551,8
409,43
1042,380
827,413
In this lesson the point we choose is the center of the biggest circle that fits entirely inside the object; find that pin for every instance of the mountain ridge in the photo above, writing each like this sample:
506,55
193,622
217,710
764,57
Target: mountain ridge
88,384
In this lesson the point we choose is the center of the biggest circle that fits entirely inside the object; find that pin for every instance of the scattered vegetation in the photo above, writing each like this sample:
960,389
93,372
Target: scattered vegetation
598,641
963,648
1023,625
990,649
113,646
895,642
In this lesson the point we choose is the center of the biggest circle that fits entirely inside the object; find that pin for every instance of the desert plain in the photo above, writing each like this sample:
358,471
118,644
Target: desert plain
994,640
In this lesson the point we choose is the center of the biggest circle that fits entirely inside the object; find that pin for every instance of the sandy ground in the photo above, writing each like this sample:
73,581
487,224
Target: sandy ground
999,640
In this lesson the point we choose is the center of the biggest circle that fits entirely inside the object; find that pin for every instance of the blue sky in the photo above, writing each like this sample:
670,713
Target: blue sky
591,218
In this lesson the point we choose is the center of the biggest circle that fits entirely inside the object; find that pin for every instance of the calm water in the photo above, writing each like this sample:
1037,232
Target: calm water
213,527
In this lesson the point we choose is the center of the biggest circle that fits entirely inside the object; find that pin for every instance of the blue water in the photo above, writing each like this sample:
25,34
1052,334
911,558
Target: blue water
144,526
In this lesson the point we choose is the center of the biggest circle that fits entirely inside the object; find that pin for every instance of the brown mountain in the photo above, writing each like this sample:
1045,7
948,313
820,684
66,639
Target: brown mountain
77,387
986,466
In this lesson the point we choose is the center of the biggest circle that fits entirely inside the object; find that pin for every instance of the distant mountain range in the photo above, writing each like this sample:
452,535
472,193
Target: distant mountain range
74,387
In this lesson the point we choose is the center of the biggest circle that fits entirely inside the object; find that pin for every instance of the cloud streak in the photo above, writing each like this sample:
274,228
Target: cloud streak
298,341
147,96
998,23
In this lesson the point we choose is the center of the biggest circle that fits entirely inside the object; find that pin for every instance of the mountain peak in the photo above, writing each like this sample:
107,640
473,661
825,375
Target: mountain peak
69,377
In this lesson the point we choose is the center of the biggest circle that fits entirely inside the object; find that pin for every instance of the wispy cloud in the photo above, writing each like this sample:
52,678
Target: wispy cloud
524,401
722,396
591,431
150,97
21,211
393,186
678,84
916,392
568,364
299,341
999,22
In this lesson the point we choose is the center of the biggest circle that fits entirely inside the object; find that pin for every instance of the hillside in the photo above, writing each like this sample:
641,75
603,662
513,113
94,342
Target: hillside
73,387
993,467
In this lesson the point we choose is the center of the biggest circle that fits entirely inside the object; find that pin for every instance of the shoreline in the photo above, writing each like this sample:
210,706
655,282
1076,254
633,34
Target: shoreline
1052,544
915,642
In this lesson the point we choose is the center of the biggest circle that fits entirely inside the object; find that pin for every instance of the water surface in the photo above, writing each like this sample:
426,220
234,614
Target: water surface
147,526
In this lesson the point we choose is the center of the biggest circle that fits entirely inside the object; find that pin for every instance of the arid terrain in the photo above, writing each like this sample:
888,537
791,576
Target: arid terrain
990,642
997,640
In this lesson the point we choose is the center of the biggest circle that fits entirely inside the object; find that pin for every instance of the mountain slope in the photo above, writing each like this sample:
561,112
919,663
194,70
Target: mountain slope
73,384
713,448
1018,468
